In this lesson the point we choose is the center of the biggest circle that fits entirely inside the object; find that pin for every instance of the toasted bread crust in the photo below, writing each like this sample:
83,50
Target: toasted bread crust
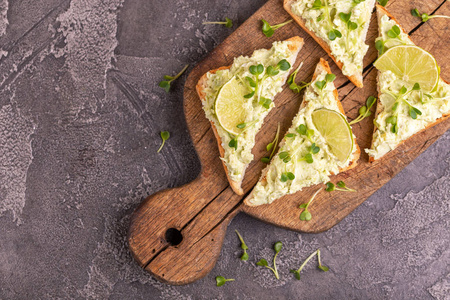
356,80
381,11
353,163
236,185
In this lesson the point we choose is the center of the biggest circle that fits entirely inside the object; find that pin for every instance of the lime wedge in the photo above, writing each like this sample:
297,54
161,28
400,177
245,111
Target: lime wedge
412,64
230,105
335,129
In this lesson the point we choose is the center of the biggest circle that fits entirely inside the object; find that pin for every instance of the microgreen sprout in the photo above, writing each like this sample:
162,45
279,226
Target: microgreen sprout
233,143
393,34
244,247
254,83
165,135
328,16
383,2
364,111
323,83
302,129
263,263
399,99
269,30
350,25
165,84
220,280
340,187
291,81
287,176
313,149
425,17
228,23
320,266
306,215
272,146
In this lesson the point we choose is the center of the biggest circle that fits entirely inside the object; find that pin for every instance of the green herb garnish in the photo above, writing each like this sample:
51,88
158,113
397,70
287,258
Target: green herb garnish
228,23
328,16
220,280
383,2
425,17
291,81
272,146
341,187
255,83
244,247
364,111
320,266
313,149
263,263
306,215
400,99
287,176
165,84
165,135
393,34
269,30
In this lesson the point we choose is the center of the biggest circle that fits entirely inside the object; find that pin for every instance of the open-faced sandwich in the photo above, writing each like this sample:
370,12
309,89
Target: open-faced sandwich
319,143
340,27
236,99
412,96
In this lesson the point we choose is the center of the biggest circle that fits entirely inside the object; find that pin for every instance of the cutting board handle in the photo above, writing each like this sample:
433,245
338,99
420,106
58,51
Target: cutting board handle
177,234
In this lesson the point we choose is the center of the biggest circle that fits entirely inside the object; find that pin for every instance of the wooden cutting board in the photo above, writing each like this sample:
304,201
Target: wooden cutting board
177,234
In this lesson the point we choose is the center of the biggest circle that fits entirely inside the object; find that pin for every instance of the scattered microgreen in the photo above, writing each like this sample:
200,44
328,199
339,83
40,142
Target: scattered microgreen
165,135
228,23
355,2
233,143
254,83
263,263
393,34
350,25
425,17
305,215
285,156
269,30
320,266
323,83
287,176
302,129
400,98
364,111
313,149
340,187
383,2
244,247
291,81
272,146
165,84
220,280
328,16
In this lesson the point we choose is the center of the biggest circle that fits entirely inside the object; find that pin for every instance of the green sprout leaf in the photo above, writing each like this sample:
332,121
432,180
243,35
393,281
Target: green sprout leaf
220,280
269,30
364,110
383,2
320,266
290,135
165,135
233,144
228,23
166,84
262,263
265,160
425,17
330,187
284,65
244,256
305,215
277,247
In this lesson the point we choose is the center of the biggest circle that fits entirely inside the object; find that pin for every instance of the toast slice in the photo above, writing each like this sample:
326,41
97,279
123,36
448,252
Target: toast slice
270,186
433,111
347,51
236,159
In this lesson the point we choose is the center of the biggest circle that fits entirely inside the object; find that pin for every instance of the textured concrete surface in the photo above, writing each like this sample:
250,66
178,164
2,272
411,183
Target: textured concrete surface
80,114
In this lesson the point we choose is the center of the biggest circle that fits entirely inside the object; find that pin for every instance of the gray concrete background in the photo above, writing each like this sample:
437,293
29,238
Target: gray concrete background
80,114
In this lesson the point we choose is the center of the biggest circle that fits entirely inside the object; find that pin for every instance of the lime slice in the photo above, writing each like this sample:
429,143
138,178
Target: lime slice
230,105
412,64
335,129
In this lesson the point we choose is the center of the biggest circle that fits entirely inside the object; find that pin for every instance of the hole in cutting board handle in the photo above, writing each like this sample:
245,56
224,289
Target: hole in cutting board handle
174,236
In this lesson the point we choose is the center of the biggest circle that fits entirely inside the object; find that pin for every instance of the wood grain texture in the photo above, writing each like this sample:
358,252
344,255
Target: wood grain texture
202,209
